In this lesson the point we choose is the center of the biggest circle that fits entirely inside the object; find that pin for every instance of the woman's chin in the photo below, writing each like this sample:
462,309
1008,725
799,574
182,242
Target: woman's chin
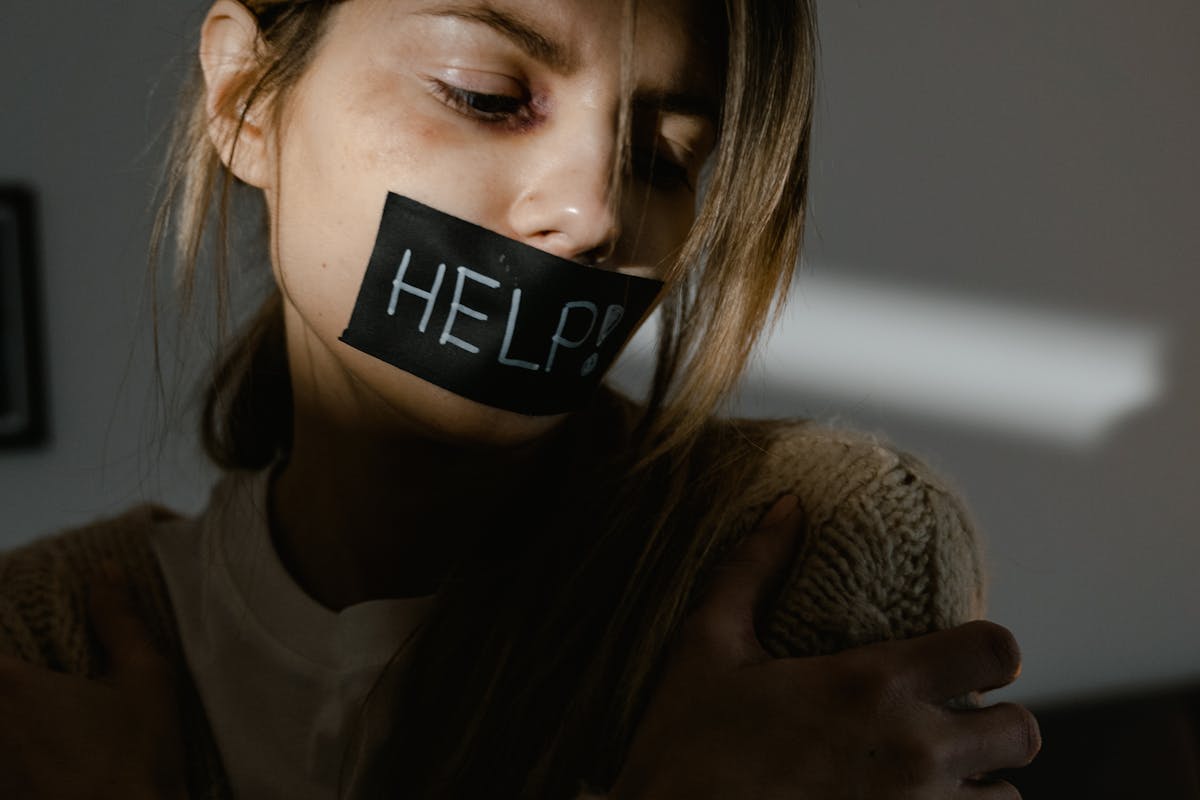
422,408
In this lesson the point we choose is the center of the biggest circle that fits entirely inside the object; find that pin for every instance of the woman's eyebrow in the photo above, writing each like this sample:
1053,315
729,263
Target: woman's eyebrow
521,32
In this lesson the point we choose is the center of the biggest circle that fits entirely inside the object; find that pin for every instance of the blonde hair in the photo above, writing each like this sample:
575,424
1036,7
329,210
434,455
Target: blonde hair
563,644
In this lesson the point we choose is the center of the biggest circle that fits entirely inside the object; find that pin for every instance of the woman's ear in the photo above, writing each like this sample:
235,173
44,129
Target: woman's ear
229,41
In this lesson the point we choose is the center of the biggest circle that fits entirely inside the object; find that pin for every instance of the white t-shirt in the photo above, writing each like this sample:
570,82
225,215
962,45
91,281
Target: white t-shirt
282,678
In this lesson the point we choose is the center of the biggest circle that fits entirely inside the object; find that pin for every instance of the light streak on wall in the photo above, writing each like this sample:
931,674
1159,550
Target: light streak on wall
1065,377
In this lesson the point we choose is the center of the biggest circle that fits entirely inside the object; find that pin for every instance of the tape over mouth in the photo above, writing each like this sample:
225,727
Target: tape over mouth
488,317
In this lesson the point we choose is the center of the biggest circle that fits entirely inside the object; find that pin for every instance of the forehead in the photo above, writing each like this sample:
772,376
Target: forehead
680,39
667,41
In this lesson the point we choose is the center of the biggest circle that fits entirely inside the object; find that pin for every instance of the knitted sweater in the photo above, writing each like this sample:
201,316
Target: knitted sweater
888,553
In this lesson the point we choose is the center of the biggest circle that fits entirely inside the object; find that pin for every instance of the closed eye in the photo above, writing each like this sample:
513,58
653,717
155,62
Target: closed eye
482,106
649,164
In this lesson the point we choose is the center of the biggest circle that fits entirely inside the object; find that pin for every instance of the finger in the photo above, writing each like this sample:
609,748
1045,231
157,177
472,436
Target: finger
977,656
1002,736
121,631
742,582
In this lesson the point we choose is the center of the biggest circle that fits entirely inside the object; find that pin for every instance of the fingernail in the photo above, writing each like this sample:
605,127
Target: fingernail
784,508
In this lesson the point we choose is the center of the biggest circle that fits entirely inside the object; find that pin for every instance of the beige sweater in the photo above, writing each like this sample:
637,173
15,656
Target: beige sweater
888,554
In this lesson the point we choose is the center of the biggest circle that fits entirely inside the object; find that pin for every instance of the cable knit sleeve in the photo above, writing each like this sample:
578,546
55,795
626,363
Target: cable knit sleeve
41,608
43,619
16,635
43,589
888,551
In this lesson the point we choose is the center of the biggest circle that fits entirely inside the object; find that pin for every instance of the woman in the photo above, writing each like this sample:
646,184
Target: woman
451,575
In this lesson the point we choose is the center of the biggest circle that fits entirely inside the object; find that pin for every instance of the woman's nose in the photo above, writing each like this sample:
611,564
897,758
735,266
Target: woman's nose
564,204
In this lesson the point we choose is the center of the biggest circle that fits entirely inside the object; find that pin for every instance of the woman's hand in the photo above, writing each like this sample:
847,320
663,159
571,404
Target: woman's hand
728,721
64,737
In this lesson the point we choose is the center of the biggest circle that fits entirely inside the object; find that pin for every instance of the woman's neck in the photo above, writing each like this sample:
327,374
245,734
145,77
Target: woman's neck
357,518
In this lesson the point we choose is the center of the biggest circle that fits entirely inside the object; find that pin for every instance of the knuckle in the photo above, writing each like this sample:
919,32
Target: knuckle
879,687
871,692
918,761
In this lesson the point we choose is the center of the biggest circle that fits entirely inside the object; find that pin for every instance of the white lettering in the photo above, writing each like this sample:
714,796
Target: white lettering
398,286
557,340
612,315
456,306
508,334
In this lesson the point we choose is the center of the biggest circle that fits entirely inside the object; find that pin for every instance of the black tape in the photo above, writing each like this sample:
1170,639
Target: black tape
488,317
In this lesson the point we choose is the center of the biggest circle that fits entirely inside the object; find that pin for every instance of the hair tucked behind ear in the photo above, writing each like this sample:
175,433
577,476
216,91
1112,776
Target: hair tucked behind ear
533,668
247,419
738,259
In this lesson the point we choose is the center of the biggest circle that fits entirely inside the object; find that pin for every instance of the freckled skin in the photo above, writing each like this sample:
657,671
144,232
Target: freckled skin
364,121
388,476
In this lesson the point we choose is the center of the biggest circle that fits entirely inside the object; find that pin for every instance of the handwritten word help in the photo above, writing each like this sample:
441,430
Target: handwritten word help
488,317
612,315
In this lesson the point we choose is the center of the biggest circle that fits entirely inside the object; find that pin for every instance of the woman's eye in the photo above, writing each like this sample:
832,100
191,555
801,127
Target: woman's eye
658,170
480,105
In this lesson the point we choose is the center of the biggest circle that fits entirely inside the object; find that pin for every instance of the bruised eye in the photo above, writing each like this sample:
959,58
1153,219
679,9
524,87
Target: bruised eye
480,105
658,170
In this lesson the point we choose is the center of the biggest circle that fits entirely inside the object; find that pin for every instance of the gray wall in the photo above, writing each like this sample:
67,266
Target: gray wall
1036,155
1040,155
83,98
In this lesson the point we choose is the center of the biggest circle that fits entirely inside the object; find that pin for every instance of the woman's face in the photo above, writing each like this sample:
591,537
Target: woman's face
503,114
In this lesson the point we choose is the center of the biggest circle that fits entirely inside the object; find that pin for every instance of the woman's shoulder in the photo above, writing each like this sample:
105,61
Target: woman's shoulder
889,550
43,587
833,465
